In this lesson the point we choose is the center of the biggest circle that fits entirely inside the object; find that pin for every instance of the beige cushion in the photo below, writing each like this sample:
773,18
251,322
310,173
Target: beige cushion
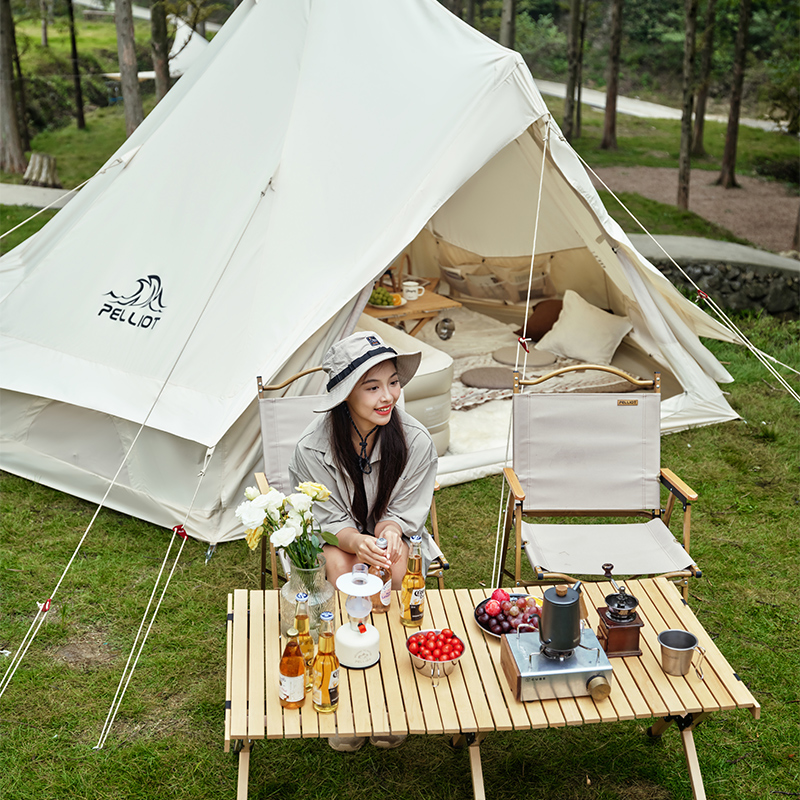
488,378
536,358
584,332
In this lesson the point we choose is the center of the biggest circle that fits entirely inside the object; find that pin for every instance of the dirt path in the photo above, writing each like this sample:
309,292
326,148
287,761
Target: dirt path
762,212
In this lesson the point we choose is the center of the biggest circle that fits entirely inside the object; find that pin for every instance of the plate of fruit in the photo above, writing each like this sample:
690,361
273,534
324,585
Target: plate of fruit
504,613
381,297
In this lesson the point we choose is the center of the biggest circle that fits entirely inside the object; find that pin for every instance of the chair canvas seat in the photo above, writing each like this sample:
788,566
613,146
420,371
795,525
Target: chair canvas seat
636,548
596,456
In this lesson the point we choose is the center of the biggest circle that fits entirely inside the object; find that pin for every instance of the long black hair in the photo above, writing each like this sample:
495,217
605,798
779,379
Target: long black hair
394,454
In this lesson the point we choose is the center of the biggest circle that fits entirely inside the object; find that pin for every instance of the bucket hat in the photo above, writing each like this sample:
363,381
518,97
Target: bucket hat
349,359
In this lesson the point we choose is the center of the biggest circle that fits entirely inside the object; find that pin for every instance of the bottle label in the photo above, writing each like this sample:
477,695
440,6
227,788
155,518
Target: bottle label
292,689
333,686
333,690
386,593
417,601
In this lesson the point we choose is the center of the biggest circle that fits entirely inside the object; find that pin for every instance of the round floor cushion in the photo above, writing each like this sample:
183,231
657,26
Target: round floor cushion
488,378
536,358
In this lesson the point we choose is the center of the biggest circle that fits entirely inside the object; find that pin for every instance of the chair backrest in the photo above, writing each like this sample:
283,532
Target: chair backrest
283,420
588,452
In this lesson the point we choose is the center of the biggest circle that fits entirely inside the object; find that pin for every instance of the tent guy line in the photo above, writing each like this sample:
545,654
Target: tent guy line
23,648
503,507
701,294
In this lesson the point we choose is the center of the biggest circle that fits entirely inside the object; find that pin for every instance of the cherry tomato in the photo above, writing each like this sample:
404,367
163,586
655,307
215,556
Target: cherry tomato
437,651
413,647
447,648
447,632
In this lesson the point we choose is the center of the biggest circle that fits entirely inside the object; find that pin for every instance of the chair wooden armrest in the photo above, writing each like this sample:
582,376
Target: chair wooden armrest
513,484
677,486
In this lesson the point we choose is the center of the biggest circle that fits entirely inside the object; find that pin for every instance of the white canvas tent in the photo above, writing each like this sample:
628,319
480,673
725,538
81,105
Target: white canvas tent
234,233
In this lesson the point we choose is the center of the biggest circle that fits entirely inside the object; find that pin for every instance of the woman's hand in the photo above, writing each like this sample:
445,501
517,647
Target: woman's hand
390,531
364,547
368,551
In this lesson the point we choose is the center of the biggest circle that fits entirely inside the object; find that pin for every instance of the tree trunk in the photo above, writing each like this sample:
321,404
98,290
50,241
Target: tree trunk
796,236
684,159
76,70
43,9
727,176
22,104
578,119
12,156
471,13
572,66
609,141
508,15
160,47
707,53
131,98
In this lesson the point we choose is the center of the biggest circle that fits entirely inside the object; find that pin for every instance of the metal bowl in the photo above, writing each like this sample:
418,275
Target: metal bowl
434,669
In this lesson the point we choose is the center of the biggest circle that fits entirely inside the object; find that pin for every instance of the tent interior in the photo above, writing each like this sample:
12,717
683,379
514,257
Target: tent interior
170,433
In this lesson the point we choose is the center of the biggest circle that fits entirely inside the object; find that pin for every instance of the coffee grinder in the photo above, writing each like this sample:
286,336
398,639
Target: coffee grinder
618,630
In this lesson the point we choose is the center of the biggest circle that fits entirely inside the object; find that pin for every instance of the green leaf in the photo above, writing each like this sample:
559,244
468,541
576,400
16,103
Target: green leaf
330,538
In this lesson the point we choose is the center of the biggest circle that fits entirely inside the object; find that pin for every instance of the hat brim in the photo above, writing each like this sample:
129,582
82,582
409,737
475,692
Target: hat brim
407,366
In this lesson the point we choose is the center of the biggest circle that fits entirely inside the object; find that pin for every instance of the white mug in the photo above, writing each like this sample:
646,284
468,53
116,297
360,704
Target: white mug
412,290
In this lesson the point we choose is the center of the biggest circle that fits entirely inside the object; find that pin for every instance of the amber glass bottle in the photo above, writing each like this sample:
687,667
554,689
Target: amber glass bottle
302,625
412,596
325,669
292,673
383,599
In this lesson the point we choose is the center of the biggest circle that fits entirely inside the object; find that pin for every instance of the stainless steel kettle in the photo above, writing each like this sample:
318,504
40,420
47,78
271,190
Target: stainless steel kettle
560,628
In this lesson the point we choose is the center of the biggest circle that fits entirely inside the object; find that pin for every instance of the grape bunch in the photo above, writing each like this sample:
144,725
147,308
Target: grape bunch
504,614
381,297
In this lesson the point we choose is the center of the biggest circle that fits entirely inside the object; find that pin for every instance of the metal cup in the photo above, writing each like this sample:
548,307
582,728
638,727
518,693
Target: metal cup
677,650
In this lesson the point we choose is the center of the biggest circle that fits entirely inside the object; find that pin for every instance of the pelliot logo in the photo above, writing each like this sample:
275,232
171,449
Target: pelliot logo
126,308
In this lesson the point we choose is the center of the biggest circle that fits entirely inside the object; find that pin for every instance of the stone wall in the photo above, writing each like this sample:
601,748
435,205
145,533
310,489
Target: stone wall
738,287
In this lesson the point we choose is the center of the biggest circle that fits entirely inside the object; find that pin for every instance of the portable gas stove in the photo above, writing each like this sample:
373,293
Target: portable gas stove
536,673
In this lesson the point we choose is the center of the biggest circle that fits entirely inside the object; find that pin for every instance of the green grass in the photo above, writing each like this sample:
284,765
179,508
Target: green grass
662,218
11,216
98,38
656,143
167,741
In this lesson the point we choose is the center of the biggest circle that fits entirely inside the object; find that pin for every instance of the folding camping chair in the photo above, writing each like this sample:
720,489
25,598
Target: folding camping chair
283,420
593,455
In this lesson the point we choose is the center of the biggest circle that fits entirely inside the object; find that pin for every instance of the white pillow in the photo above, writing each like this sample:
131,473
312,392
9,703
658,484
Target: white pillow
584,332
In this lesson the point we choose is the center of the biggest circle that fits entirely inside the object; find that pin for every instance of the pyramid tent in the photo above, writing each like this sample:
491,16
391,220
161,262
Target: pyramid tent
238,230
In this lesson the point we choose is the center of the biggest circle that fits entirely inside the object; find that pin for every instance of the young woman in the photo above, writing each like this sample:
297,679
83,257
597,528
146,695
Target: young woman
378,462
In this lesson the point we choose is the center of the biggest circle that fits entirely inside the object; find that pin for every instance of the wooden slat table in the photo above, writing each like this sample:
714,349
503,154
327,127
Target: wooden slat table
391,698
423,309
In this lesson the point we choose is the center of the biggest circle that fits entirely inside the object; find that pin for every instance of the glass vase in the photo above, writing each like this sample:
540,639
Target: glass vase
320,596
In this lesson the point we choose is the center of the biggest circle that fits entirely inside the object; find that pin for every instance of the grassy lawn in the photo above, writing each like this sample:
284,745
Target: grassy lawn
95,37
167,740
656,143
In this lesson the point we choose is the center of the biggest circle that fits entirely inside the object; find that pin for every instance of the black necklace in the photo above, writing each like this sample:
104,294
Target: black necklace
363,460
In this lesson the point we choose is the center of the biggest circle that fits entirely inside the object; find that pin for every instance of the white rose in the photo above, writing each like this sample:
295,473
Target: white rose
250,515
273,504
284,536
295,519
251,492
300,502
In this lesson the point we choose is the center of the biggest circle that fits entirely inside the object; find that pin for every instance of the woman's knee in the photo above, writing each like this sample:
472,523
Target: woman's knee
337,562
